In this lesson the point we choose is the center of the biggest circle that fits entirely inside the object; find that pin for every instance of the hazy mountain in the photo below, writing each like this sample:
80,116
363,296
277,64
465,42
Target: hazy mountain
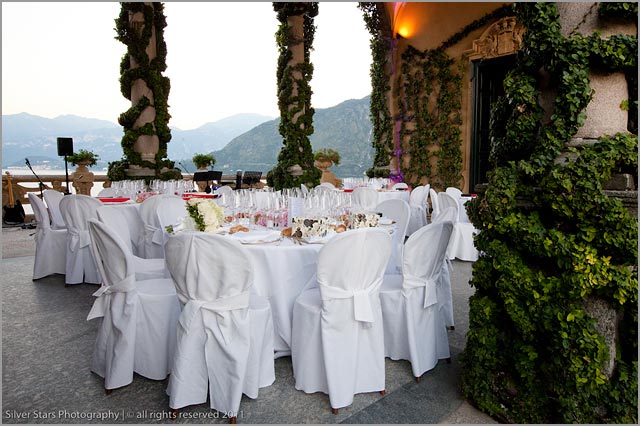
345,127
239,142
25,136
211,136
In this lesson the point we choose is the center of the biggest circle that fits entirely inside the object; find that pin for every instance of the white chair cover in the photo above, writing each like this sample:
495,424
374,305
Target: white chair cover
400,185
169,210
418,202
445,296
224,190
414,328
454,192
137,331
114,217
365,198
328,185
51,244
461,245
107,192
152,236
52,199
337,337
80,266
435,206
225,335
399,211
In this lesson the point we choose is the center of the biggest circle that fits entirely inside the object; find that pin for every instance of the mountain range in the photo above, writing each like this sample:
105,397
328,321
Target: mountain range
239,142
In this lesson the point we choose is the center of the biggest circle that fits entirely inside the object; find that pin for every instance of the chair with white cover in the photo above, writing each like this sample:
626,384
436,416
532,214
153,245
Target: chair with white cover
435,206
365,198
461,245
337,344
76,210
107,192
399,211
138,318
51,244
400,185
169,211
152,236
225,189
114,217
225,333
454,192
328,185
445,294
418,202
414,328
52,199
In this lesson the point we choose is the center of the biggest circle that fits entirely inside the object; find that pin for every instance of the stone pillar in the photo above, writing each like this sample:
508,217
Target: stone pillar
296,23
146,145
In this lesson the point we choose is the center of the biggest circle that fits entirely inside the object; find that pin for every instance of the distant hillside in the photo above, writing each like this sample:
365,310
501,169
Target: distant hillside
239,142
345,128
25,136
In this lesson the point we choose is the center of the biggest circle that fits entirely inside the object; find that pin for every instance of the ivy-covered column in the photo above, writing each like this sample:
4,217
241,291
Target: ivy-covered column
140,27
553,322
295,40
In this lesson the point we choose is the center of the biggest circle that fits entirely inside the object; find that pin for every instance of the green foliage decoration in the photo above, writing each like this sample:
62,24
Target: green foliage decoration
627,11
203,160
381,122
83,156
429,96
149,70
296,113
327,154
552,243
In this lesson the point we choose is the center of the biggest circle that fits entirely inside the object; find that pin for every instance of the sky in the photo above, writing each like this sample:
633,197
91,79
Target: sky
62,58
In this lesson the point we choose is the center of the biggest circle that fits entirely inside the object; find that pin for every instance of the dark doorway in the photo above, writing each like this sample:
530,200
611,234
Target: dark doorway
488,75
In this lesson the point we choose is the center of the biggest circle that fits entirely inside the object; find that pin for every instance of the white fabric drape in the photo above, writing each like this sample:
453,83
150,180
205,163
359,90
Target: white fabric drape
51,244
418,202
400,212
225,337
365,198
461,245
152,236
414,327
80,266
337,337
138,319
52,199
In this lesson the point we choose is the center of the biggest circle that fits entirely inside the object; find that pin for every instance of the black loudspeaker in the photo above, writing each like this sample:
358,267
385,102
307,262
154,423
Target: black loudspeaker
65,146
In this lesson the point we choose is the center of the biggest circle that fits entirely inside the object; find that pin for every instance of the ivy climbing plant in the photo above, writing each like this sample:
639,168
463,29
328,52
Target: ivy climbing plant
150,71
553,245
294,101
381,122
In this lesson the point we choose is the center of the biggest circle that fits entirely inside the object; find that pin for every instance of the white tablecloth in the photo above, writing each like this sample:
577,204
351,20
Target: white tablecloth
280,273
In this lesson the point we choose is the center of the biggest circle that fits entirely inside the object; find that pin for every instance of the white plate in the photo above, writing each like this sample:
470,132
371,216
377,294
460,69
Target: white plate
256,237
385,221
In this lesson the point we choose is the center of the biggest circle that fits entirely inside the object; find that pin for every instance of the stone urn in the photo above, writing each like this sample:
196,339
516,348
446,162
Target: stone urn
327,176
82,179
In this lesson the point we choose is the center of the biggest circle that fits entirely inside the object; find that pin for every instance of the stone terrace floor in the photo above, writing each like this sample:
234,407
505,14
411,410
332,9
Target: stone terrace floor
46,353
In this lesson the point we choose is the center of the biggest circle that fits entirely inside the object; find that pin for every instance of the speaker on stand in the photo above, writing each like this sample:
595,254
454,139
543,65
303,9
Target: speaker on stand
65,147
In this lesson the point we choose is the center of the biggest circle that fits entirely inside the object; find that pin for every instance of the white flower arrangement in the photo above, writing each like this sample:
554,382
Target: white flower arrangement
204,215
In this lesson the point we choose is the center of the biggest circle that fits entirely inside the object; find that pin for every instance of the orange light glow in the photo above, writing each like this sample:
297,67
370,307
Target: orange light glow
403,24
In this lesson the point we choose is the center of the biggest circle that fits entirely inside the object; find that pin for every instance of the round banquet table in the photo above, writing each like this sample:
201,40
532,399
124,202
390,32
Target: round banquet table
281,271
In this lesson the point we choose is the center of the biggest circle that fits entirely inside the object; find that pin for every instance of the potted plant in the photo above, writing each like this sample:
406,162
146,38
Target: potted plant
82,178
83,158
325,157
202,161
